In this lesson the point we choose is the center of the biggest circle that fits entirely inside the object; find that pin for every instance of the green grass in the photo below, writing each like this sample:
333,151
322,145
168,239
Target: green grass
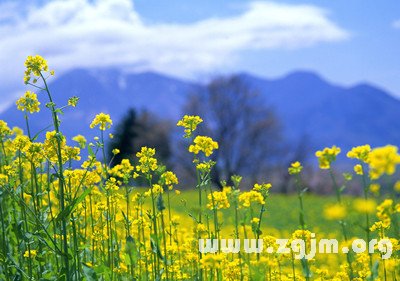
282,211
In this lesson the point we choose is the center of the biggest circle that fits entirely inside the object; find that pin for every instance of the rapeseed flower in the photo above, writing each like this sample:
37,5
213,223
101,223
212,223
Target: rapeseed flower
397,186
81,140
169,179
327,156
189,123
28,102
383,160
360,152
358,169
102,120
295,168
73,101
204,144
218,200
30,254
147,161
246,199
35,65
375,188
364,205
335,212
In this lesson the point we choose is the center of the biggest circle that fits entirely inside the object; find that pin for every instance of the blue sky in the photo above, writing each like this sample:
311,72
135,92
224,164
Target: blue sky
347,42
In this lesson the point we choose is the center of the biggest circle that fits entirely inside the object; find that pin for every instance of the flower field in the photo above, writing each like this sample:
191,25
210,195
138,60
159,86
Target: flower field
60,222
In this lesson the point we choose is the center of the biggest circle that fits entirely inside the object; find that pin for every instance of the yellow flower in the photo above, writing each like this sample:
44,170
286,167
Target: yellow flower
81,140
205,166
200,228
146,160
383,160
73,101
28,103
263,189
335,212
204,144
115,151
190,124
327,156
30,254
397,186
155,190
364,205
35,65
295,168
4,129
358,169
374,188
218,200
360,152
17,131
169,179
103,120
249,197
3,179
384,212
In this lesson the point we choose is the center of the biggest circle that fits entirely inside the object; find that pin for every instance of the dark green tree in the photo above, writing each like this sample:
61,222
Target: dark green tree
137,130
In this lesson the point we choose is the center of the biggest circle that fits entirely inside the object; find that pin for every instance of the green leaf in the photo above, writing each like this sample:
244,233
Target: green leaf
70,208
131,251
89,273
90,150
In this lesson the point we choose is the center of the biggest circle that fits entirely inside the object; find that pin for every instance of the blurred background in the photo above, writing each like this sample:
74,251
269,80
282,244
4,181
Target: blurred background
274,81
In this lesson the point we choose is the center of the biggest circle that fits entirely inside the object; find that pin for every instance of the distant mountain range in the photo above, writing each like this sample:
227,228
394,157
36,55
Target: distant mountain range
307,106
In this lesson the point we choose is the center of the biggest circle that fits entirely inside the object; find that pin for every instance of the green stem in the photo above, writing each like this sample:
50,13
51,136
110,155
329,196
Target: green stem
61,179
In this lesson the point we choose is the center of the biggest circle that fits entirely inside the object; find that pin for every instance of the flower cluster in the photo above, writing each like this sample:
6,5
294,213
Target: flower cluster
147,161
295,168
102,120
169,179
28,102
383,160
218,200
35,65
189,123
360,152
204,144
246,199
327,156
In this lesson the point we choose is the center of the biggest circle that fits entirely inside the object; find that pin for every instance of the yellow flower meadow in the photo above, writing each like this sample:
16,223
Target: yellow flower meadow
67,218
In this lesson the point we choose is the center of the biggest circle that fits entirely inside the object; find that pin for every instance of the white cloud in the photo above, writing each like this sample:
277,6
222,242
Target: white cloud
396,24
83,33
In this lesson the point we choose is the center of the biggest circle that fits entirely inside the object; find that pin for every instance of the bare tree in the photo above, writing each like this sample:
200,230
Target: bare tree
247,131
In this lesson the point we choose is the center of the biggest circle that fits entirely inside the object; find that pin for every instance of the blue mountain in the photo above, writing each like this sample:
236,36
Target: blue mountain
307,105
